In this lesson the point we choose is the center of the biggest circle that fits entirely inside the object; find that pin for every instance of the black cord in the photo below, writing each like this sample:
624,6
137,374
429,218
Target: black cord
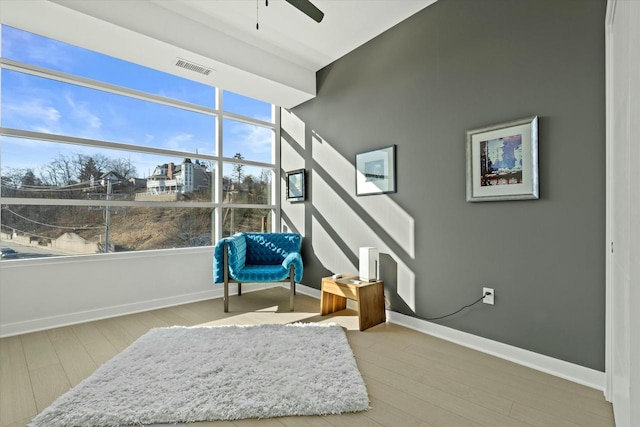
450,314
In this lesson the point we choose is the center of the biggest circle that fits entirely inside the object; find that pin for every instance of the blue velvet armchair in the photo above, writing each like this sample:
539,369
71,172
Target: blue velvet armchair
258,257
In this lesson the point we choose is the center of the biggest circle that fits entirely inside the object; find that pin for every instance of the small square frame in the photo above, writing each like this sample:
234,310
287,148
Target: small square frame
376,171
296,186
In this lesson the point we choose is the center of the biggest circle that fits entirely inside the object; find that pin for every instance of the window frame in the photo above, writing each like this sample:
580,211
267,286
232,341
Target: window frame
218,159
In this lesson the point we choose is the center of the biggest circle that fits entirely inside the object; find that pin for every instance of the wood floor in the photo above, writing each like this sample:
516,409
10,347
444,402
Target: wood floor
412,379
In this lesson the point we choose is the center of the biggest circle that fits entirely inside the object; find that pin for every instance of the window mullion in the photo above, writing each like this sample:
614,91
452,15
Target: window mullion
219,171
277,187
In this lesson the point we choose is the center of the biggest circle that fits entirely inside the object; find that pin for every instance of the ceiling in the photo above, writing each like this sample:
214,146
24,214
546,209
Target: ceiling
285,31
276,63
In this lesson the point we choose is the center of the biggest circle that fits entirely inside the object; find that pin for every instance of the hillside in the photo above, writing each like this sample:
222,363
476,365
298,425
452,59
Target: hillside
138,228
132,228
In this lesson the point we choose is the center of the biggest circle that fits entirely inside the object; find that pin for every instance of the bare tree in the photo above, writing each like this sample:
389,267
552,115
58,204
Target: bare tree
75,168
17,177
122,166
59,172
265,176
12,180
86,165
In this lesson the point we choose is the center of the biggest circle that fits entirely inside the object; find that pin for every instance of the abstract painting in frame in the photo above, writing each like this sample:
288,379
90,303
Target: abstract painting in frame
502,161
376,171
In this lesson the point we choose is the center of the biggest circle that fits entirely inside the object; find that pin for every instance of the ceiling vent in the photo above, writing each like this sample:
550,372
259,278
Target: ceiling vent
187,65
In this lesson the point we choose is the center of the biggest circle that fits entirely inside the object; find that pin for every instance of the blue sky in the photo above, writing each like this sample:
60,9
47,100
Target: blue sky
43,105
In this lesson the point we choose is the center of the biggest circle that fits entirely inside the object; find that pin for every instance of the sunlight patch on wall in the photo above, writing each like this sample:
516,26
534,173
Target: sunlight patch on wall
294,127
406,285
343,226
328,252
398,224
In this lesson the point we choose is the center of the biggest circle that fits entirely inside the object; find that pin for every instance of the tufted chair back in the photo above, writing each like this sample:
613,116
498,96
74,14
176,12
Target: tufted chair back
270,248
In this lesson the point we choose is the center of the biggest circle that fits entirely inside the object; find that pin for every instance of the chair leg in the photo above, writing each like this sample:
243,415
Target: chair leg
225,263
293,289
226,295
239,288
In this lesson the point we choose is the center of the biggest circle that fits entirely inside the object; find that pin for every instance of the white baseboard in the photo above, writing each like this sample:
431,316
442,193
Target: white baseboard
559,368
44,323
306,290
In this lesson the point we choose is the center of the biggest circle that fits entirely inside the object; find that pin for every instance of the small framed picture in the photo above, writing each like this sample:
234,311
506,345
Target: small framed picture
502,161
296,186
376,171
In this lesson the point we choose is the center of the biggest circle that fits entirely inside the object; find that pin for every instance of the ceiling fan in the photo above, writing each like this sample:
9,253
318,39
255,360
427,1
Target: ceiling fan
304,6
308,8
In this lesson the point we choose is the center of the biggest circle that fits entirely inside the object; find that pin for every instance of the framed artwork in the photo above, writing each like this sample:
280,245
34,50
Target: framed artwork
296,186
376,171
502,161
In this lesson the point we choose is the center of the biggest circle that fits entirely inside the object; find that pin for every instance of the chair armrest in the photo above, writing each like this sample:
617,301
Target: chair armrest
236,249
295,259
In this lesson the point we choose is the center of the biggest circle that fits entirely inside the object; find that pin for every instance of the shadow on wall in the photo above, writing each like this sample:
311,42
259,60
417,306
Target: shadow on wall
335,223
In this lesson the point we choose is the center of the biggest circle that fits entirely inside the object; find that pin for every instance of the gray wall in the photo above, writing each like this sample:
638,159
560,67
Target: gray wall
455,66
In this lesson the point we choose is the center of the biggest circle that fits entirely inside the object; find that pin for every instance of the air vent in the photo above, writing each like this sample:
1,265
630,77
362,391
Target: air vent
187,65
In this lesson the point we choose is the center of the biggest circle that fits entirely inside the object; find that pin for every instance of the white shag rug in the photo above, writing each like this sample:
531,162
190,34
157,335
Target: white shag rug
180,374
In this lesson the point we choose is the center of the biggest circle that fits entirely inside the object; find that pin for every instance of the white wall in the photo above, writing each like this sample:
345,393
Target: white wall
623,148
50,292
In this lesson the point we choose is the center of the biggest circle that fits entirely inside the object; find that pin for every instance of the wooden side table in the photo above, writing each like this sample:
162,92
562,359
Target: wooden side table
369,295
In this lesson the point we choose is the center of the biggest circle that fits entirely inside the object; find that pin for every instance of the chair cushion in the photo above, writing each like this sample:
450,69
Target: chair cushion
262,273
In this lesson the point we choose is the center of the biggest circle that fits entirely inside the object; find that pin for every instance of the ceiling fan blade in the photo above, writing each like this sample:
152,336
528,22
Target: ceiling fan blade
306,7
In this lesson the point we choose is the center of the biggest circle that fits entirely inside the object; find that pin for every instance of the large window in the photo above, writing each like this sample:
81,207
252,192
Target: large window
100,155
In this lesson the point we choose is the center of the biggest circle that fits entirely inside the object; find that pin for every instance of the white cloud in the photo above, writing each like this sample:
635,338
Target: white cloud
252,139
34,115
179,141
81,112
28,47
35,110
259,139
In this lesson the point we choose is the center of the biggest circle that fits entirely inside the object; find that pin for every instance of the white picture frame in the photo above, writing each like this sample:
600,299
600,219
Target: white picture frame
376,171
502,161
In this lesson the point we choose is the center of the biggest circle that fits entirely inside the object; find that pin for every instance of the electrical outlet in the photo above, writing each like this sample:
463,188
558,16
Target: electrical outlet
489,294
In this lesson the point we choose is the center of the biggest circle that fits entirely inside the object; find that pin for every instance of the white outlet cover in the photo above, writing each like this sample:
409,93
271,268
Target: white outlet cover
489,298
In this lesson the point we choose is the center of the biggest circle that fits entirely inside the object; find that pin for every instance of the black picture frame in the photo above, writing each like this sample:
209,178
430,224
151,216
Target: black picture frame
296,186
376,171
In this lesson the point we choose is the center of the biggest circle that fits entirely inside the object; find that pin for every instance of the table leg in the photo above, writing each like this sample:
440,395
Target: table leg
330,303
371,306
